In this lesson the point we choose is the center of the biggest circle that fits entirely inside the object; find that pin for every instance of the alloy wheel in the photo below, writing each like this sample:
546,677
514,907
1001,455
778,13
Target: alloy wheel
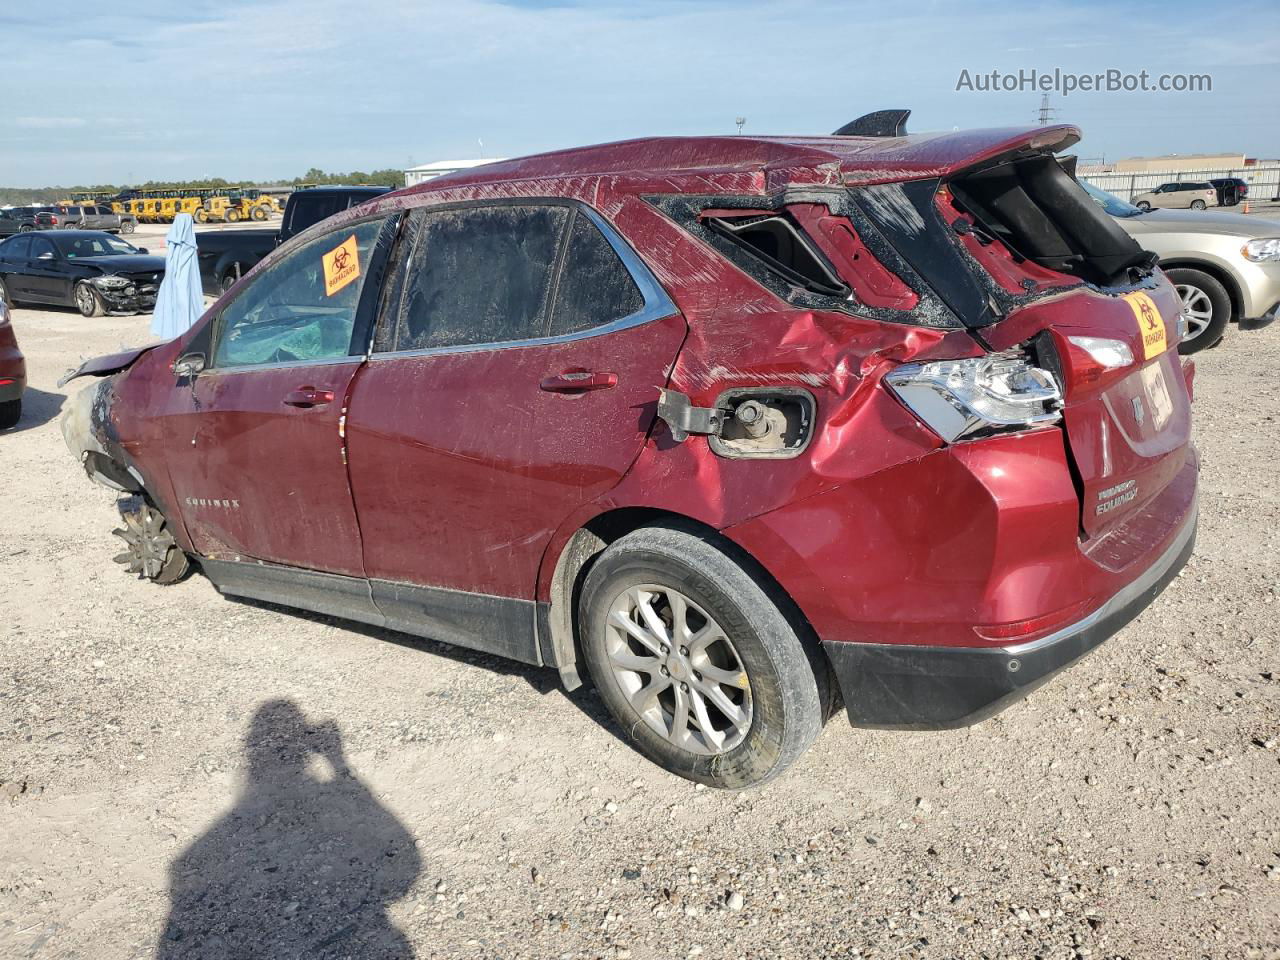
678,669
1197,310
85,300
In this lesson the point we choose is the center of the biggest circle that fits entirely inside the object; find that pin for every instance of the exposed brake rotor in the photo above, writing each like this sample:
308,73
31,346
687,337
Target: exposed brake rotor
150,549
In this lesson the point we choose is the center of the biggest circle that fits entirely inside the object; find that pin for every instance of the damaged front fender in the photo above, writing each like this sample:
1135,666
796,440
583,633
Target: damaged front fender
86,430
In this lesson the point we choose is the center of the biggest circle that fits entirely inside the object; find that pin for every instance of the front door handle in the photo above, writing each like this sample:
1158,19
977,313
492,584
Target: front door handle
578,381
308,397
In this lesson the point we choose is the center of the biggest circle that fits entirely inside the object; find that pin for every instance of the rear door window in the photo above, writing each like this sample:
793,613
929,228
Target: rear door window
474,275
595,286
303,307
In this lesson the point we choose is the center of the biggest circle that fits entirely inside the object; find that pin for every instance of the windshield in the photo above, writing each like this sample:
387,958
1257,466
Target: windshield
1109,202
96,245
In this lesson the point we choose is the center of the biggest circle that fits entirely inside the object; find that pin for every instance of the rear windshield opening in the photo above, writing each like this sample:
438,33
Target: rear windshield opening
783,247
1041,214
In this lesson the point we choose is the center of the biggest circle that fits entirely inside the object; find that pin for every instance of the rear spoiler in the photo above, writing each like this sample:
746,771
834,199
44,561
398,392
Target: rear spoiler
924,156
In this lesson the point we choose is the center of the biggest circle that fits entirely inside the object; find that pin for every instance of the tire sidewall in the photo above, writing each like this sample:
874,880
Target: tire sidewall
769,745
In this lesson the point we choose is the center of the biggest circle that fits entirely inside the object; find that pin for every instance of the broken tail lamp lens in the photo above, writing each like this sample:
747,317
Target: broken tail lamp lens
957,399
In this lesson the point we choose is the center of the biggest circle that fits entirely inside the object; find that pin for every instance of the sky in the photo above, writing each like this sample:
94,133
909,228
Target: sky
264,89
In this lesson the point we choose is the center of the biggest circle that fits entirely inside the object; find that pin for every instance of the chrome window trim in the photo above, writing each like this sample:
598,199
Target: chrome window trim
355,358
657,303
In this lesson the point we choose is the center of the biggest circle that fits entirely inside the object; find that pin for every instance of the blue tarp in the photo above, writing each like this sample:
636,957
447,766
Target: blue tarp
180,300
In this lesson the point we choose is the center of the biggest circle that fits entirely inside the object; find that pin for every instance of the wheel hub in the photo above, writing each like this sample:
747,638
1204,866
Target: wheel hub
148,542
678,670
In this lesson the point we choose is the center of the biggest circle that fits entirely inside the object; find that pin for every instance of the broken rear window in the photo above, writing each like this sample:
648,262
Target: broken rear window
782,246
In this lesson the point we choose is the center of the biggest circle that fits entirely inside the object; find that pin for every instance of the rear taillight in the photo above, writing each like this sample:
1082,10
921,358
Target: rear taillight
1090,361
969,398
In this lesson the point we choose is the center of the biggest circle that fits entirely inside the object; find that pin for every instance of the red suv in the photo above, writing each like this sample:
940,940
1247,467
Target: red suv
745,424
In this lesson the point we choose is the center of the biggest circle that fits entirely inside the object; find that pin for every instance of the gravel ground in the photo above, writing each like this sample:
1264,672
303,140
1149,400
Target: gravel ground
176,768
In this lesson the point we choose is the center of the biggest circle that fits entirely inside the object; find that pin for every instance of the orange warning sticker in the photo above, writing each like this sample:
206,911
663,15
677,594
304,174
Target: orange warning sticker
1150,324
341,266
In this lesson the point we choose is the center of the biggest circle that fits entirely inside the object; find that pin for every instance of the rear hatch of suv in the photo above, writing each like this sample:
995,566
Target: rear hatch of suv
1040,275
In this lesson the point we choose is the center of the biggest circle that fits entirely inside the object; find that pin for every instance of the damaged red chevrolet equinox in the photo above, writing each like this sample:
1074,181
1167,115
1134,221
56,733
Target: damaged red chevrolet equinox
748,426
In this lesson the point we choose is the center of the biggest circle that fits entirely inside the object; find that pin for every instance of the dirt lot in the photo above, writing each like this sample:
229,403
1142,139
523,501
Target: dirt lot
174,766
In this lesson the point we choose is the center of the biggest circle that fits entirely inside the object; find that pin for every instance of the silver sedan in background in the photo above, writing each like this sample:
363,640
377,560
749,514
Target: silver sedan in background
1226,266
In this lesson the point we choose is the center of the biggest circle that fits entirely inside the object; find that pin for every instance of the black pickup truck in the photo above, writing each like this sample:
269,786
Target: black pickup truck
226,255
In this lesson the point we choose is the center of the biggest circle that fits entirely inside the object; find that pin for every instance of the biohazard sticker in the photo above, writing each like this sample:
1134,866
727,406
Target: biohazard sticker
1150,324
341,266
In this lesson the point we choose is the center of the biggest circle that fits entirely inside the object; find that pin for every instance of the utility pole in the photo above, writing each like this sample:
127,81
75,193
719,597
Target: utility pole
741,122
1046,111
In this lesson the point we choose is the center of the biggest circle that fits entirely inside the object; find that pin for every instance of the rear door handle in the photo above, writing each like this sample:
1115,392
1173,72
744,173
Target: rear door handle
308,397
578,381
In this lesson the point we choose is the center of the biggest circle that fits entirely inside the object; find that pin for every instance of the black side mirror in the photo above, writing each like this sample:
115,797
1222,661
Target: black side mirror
189,365
143,250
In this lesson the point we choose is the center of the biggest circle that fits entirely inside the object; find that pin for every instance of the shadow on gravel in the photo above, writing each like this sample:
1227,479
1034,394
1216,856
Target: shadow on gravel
38,408
303,866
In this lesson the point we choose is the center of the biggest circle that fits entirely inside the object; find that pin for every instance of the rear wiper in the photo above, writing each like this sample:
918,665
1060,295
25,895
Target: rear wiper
964,228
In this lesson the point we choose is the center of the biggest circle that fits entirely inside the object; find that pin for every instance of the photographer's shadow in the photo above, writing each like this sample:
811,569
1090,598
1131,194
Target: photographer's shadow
302,866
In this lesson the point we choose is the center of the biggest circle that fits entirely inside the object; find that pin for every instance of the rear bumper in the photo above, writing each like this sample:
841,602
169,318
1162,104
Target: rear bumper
900,686
11,391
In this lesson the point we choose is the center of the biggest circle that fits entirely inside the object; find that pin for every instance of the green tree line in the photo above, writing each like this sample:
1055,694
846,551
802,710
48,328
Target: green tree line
17,196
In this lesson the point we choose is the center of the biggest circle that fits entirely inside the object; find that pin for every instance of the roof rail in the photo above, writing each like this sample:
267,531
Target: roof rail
881,123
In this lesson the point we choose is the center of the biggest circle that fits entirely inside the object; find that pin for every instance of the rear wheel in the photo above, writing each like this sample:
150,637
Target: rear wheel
88,302
202,215
150,550
1197,204
10,413
126,226
1206,307
697,661
259,214
233,216
231,277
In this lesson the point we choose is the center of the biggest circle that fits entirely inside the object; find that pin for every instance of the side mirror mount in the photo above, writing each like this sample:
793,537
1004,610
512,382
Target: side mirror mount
189,365
143,250
45,256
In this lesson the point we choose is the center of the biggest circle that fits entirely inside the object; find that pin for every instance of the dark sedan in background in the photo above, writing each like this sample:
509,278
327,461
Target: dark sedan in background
86,269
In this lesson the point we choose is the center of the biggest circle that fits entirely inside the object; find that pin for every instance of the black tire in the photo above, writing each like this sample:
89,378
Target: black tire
233,215
88,301
258,214
232,276
126,226
1143,206
10,413
26,228
788,680
1196,284
1197,204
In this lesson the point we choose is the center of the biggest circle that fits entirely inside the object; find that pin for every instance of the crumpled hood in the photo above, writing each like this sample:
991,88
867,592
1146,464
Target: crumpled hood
126,263
106,365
